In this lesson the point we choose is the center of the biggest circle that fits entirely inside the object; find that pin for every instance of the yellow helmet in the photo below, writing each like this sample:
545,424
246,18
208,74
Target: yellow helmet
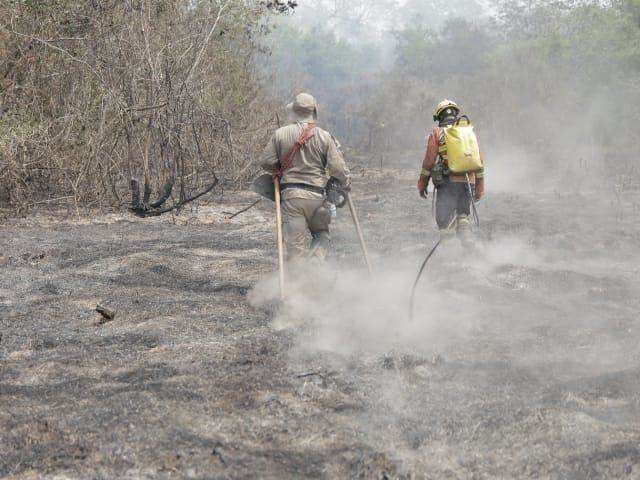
442,106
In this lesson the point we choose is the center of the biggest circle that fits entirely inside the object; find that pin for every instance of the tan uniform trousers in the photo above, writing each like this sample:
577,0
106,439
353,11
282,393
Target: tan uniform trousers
301,217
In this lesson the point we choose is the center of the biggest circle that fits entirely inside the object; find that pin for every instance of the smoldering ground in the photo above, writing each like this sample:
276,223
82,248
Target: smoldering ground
350,312
521,358
521,361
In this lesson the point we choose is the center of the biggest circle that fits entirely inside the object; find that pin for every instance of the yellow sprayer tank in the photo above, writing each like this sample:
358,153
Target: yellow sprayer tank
462,149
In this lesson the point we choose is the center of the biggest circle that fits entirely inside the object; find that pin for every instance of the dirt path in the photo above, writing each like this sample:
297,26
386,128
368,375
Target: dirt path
523,361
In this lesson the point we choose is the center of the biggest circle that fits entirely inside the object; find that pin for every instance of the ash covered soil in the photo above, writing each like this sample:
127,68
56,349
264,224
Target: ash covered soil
522,360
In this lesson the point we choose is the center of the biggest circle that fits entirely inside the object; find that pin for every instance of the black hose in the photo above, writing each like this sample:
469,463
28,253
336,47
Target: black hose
475,213
476,217
415,284
433,250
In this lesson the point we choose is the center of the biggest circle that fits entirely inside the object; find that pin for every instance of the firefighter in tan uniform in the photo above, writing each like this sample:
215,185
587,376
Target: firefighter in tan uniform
453,198
305,157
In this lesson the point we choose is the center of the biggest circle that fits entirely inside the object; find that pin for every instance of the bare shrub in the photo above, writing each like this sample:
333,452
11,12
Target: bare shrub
95,94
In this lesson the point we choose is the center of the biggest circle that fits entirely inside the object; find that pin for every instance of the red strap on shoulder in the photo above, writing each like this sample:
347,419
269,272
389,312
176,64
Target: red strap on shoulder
433,145
305,136
437,131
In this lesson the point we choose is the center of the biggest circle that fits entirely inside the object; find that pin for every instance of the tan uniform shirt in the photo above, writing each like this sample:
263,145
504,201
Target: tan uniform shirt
314,164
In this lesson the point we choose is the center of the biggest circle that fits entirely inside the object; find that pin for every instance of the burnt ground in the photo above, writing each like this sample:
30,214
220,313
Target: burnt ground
522,362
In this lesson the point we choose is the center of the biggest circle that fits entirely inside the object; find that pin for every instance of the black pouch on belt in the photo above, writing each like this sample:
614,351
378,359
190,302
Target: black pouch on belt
438,173
321,218
335,193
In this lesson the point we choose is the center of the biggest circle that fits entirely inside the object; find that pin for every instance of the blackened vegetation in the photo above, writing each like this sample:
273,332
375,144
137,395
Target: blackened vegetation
106,314
189,380
144,209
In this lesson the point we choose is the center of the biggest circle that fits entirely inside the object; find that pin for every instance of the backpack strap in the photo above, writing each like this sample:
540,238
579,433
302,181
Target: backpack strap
442,146
307,134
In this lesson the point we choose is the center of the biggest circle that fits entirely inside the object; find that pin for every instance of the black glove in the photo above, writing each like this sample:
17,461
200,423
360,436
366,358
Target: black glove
337,193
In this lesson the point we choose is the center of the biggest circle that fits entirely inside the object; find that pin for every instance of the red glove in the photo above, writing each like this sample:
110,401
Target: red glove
479,189
423,184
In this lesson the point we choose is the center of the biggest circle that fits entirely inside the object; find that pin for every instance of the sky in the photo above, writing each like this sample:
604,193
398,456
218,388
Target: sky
367,20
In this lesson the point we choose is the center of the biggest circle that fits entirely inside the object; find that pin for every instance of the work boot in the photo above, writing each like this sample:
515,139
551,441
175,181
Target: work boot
319,245
449,233
464,233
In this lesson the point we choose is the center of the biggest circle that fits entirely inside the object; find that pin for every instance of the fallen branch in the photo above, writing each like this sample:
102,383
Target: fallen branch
310,374
106,313
143,212
243,210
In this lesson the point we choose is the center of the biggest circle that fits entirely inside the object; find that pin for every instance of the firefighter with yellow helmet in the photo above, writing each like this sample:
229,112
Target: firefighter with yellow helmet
454,164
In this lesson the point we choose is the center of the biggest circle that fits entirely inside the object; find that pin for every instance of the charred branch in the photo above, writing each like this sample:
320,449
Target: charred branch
144,211
167,189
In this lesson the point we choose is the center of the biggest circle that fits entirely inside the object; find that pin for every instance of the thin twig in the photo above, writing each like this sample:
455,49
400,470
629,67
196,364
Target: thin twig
244,209
61,50
150,107
204,46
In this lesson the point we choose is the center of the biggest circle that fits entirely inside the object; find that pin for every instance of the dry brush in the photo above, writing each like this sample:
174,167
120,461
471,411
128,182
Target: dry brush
100,96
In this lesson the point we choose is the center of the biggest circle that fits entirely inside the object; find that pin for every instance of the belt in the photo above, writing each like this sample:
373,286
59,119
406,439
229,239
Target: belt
303,186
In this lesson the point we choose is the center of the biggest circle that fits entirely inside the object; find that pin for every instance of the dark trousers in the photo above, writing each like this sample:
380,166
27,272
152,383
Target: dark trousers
453,200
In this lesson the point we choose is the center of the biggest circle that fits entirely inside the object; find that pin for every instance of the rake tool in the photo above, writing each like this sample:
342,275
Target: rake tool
276,186
363,245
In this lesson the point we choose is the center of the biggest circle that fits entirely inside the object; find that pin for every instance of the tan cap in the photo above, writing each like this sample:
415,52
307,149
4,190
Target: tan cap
304,108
